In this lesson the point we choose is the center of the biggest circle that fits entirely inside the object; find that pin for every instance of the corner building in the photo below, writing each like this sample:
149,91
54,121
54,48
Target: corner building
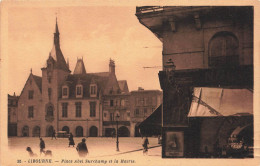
207,78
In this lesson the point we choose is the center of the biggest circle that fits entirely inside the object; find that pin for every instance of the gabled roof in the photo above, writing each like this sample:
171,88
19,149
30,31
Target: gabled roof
38,81
80,67
123,86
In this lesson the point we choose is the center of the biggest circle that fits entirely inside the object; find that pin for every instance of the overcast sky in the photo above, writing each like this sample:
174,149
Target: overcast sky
94,33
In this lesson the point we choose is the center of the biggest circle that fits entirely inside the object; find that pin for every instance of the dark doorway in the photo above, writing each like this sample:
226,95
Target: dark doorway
79,131
25,131
36,131
110,132
49,131
93,131
123,132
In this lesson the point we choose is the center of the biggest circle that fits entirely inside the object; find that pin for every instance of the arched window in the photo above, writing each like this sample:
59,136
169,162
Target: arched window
223,50
93,131
50,111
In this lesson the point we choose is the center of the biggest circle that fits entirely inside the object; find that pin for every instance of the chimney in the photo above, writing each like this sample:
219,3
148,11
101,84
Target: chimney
140,88
112,66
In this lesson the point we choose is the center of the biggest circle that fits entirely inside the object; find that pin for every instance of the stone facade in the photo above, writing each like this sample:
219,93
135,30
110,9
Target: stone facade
143,104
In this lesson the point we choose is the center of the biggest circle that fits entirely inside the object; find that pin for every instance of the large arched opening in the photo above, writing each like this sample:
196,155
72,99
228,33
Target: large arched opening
93,131
66,128
79,131
123,131
36,131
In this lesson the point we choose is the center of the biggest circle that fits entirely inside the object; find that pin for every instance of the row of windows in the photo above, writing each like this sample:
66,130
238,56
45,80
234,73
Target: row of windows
145,101
78,108
79,90
118,102
139,112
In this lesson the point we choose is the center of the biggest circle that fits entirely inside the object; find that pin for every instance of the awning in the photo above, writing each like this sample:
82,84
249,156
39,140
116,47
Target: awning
153,123
208,102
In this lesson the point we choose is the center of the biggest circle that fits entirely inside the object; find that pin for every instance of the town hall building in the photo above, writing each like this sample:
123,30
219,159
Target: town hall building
73,102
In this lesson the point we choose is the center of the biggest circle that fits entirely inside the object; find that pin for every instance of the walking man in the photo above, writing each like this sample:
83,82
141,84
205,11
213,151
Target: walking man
145,145
82,148
42,146
53,134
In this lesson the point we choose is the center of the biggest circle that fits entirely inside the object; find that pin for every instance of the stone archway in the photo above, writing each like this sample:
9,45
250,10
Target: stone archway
93,131
25,131
49,131
66,128
79,131
123,132
36,131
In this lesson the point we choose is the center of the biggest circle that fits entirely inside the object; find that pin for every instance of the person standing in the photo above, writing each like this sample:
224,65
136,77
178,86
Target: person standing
145,145
53,134
82,148
71,140
42,146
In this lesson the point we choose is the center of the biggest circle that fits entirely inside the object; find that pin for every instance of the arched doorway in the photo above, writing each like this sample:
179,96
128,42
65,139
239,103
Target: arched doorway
36,131
123,131
49,131
93,131
66,128
79,131
25,131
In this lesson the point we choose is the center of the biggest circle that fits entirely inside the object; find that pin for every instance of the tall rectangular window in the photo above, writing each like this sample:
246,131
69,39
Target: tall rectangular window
92,109
49,92
78,109
30,112
64,91
30,94
111,116
111,103
137,112
93,89
64,109
78,90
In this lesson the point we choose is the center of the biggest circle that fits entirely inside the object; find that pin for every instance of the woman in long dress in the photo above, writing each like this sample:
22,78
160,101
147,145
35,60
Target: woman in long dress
71,140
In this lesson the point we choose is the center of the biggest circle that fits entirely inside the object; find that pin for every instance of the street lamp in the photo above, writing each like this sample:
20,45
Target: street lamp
117,118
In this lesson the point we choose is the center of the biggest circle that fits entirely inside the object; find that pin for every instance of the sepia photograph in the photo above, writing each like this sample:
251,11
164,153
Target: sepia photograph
128,84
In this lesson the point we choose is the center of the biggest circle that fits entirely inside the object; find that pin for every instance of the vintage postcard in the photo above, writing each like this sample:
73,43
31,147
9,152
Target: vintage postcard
129,83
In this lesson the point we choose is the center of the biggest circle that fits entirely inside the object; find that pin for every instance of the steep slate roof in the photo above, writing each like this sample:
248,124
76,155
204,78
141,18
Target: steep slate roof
38,81
80,67
86,80
123,86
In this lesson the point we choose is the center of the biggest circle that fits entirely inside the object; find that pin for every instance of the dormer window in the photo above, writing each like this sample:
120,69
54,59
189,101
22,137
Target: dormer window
65,92
79,91
93,90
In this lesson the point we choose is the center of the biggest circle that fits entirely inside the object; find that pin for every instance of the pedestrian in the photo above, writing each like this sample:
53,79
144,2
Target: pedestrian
145,145
53,134
82,148
29,150
42,146
71,140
